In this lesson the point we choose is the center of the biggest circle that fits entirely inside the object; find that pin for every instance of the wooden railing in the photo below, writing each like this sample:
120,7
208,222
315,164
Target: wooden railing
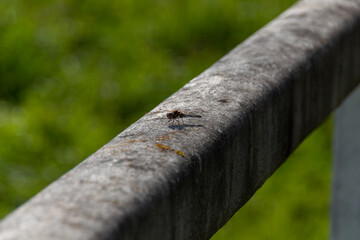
184,180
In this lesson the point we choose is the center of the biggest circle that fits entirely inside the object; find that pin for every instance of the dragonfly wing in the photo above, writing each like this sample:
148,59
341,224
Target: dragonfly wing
191,115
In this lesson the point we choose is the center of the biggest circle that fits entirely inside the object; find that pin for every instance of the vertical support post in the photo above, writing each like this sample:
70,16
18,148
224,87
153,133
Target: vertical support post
345,215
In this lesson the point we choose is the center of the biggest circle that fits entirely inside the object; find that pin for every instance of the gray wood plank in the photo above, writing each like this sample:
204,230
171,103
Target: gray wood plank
345,217
156,180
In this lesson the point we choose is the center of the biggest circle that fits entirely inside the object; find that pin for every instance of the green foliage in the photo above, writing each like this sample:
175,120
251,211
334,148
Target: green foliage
73,74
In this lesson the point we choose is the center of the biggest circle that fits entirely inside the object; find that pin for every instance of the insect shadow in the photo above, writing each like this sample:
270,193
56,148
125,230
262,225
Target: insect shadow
180,127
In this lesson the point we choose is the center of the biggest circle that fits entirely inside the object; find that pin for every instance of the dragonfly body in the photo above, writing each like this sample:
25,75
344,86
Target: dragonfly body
175,115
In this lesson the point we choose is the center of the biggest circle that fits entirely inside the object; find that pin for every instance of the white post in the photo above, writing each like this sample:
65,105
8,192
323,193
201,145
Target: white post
345,216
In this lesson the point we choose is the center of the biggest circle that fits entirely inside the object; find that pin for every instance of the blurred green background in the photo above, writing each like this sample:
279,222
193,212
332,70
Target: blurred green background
73,74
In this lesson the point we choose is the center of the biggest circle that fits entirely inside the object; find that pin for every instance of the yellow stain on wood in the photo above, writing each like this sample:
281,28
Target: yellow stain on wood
167,148
166,137
180,153
162,146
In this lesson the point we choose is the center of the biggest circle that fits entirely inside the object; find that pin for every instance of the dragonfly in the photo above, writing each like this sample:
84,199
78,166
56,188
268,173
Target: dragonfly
175,115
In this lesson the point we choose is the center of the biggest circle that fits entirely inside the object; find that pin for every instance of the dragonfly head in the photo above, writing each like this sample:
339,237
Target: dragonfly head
169,115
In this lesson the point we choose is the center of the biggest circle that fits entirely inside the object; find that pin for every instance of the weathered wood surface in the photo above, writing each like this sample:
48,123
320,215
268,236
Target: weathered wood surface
155,181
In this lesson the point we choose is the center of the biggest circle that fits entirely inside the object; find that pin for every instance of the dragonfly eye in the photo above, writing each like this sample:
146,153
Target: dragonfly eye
169,115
